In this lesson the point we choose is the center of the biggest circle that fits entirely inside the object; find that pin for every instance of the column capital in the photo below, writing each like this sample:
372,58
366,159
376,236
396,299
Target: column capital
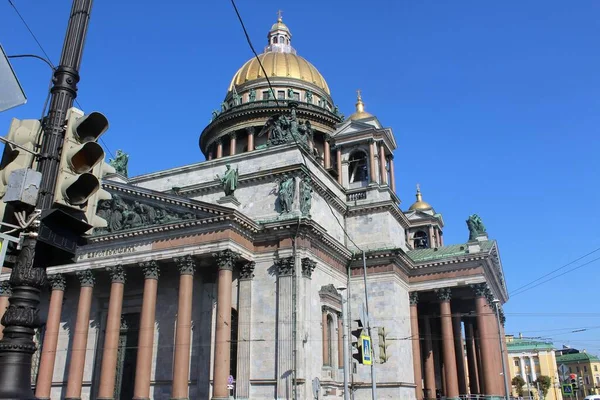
443,294
226,259
285,266
117,273
480,289
232,135
413,298
250,130
150,269
308,266
5,289
186,264
327,137
86,278
247,270
218,141
57,282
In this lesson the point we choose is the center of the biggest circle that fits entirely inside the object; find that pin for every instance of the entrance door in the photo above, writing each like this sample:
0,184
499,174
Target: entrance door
127,356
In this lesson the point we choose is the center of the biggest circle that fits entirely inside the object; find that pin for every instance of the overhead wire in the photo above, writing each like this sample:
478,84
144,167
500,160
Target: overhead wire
554,270
305,163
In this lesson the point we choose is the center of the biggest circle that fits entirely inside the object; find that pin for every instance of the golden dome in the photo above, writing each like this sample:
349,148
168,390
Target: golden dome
279,25
360,112
420,204
283,65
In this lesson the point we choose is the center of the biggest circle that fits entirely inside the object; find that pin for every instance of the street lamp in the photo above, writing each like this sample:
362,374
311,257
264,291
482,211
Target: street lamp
496,303
345,345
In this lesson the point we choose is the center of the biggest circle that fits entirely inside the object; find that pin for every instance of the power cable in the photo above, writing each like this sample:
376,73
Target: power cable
557,276
32,34
555,270
305,163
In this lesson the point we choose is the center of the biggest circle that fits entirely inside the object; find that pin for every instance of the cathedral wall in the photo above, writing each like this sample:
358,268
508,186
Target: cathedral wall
389,308
375,231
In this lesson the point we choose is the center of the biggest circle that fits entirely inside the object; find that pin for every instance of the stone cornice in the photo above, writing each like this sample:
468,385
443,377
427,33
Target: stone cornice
387,205
358,137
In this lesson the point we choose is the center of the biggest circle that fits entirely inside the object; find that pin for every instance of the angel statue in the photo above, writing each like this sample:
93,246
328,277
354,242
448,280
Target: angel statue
120,163
476,227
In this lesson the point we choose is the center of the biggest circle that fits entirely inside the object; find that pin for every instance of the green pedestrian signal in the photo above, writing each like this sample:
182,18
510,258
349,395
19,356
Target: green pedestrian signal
567,389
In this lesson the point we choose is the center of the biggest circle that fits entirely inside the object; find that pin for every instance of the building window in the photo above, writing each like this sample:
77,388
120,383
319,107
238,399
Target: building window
265,95
570,370
421,241
587,380
516,362
296,96
577,368
598,380
281,94
595,368
358,167
274,39
585,368
328,348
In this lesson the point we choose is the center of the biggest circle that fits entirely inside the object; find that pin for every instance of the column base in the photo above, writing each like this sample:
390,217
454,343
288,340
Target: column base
72,398
220,398
179,398
105,398
140,398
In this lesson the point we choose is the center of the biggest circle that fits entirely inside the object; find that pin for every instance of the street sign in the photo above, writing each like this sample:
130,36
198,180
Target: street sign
367,353
11,92
567,389
564,371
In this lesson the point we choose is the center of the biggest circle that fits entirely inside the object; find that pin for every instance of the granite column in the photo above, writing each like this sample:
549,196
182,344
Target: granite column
250,132
43,386
225,262
382,167
460,355
392,175
285,276
429,364
471,357
372,168
145,353
232,143
451,379
80,335
339,165
112,333
326,152
181,362
488,341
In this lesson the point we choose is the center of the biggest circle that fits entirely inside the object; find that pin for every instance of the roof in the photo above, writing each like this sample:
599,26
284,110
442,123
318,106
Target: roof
454,250
574,357
528,345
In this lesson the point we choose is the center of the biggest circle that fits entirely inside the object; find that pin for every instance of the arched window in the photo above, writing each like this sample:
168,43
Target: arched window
274,39
358,171
330,332
281,40
421,240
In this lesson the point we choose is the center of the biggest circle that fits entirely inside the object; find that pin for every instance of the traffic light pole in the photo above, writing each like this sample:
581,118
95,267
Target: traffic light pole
28,276
373,379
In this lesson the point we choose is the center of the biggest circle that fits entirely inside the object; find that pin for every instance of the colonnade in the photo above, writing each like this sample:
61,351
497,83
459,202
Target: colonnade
377,156
225,261
445,362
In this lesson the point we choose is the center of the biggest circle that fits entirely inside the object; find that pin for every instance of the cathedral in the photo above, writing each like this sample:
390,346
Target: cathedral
243,276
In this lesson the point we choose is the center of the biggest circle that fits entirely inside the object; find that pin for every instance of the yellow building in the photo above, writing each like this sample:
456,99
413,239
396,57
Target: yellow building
584,365
530,359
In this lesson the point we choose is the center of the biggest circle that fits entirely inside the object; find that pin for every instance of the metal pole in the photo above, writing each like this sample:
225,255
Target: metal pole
345,353
507,390
28,276
373,380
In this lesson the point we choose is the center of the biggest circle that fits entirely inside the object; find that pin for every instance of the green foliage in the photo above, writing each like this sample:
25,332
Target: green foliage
544,382
518,383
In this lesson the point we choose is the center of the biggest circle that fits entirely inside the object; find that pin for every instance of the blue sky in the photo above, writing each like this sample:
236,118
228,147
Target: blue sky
494,106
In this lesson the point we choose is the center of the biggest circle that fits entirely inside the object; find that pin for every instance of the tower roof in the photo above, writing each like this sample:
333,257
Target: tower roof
420,204
360,112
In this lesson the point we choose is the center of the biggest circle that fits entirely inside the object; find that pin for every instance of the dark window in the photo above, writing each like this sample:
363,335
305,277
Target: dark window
330,332
281,94
516,363
297,96
358,167
233,346
585,368
275,39
422,242
265,95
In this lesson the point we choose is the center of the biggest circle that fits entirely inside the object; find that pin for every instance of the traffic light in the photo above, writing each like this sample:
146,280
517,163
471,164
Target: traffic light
356,343
580,381
19,151
573,380
100,170
77,180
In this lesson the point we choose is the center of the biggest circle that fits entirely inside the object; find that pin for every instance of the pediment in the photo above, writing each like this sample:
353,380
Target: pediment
349,127
132,208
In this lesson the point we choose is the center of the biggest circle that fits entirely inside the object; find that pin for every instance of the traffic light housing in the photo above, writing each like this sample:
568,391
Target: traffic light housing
76,181
573,380
23,133
100,170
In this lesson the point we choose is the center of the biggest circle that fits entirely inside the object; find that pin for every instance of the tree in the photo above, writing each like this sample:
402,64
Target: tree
518,383
544,383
